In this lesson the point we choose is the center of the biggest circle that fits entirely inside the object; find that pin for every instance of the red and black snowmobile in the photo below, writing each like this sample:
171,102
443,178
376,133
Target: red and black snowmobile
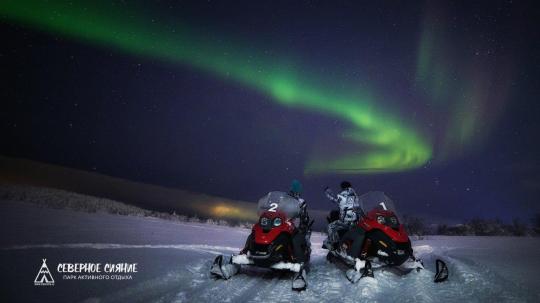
385,242
270,244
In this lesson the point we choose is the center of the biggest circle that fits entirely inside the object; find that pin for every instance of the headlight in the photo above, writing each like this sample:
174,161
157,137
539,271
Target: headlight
277,221
380,219
393,220
265,221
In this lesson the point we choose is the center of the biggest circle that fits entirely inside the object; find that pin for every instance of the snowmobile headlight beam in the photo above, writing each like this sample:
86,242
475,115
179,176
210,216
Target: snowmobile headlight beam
277,221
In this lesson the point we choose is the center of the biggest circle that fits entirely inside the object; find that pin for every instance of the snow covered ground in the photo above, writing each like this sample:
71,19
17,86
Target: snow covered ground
174,258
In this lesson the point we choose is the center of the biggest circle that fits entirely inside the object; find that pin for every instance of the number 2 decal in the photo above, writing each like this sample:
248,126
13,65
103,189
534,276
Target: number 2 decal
273,207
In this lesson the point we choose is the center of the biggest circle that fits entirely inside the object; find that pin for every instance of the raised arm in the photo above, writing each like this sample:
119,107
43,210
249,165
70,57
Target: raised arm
331,195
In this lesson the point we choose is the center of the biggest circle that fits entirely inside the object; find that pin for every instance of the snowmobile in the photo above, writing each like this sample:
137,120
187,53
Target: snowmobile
270,242
386,243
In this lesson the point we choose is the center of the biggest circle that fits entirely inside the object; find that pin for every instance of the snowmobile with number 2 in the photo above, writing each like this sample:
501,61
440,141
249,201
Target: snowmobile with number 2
386,244
270,242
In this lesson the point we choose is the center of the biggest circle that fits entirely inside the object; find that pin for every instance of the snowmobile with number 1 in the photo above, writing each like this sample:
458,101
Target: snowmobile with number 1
270,244
385,244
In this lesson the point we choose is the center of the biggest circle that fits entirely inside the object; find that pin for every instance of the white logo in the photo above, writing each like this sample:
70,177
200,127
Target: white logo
44,277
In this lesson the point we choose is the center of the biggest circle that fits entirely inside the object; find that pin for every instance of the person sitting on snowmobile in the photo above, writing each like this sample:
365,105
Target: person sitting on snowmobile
301,240
349,214
295,191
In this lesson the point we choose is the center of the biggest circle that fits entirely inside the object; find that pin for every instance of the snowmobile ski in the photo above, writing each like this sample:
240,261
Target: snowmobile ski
223,271
299,282
353,275
441,271
356,274
367,271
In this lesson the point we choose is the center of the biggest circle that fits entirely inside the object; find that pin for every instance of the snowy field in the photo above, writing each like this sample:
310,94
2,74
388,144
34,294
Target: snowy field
174,258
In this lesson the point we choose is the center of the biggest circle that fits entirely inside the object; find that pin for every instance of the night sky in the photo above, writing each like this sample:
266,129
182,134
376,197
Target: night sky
435,103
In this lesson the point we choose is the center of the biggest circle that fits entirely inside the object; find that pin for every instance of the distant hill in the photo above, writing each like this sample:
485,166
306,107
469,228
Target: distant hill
152,197
158,198
60,199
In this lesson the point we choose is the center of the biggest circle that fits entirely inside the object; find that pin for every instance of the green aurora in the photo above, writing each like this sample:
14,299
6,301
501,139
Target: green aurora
382,141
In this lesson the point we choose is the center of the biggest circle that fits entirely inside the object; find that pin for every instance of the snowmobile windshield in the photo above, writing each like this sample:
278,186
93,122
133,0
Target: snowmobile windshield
279,201
377,200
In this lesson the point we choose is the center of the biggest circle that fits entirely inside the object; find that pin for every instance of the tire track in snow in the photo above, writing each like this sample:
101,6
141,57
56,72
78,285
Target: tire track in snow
268,281
144,291
483,283
232,290
212,249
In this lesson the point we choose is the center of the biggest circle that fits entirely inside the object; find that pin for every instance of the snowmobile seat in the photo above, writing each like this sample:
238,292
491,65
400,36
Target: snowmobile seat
333,215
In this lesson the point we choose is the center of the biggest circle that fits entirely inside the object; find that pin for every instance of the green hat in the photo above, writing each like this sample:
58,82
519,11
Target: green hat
296,187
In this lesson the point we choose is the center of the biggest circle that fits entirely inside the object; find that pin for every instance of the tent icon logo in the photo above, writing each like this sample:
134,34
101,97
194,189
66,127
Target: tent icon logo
44,277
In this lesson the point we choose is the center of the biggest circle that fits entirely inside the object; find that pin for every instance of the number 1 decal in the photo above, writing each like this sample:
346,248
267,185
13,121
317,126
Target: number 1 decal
383,205
273,207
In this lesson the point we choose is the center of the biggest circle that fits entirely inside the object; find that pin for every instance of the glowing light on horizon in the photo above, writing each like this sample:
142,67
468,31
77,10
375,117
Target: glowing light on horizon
233,212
